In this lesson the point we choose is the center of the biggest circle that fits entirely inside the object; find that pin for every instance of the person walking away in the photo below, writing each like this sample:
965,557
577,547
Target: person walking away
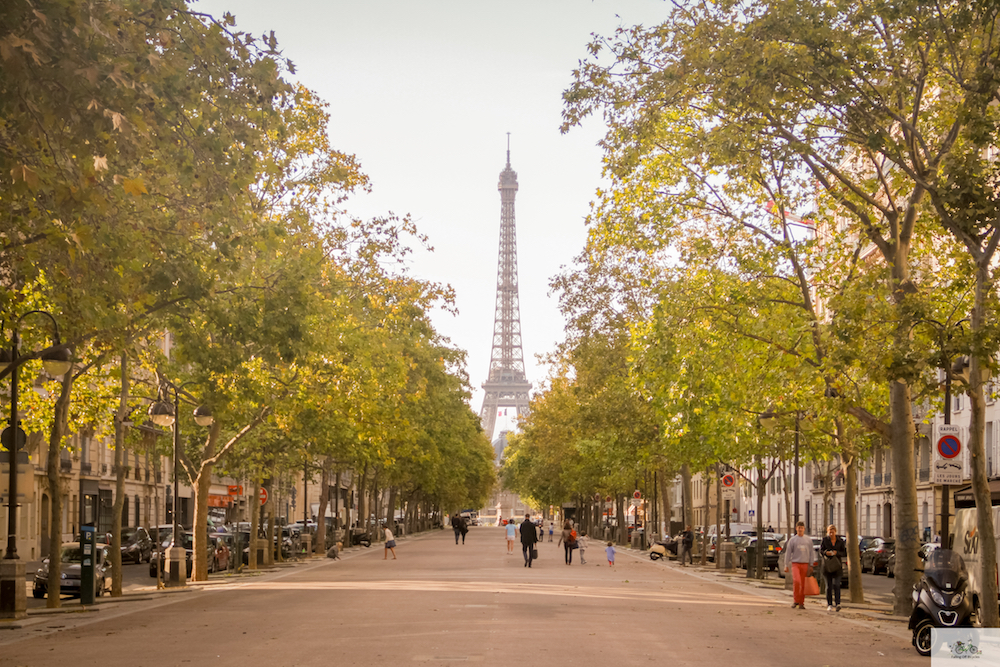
568,540
834,550
528,539
511,533
458,524
610,551
799,555
687,541
552,529
390,544
582,544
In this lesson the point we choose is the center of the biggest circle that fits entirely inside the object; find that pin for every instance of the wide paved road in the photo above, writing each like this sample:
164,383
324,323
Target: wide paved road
439,604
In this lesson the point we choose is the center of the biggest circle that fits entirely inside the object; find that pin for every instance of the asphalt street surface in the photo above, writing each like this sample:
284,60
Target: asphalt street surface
442,603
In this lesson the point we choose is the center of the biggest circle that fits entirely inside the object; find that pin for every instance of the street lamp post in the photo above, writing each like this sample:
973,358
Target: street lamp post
57,360
164,414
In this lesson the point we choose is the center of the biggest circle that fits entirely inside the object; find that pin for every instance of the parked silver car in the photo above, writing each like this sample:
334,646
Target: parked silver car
71,557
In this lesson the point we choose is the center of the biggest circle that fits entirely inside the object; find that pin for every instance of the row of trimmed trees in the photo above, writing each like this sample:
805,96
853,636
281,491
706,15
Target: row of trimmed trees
801,220
170,197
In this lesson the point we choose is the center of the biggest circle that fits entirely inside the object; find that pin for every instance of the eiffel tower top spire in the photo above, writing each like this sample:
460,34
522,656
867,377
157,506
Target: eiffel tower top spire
506,385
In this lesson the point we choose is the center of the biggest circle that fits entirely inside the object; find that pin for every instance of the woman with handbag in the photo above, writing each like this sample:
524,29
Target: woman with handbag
834,550
798,558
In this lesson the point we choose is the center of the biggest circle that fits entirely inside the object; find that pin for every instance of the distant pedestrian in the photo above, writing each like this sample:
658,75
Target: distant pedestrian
834,550
390,544
511,534
582,544
687,541
568,540
799,556
610,551
458,525
334,551
529,537
552,529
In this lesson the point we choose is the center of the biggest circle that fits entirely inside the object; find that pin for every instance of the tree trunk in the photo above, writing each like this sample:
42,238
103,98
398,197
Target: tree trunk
718,517
267,518
336,507
904,496
620,530
254,528
666,511
851,517
759,548
390,510
789,512
977,450
202,484
687,492
116,511
324,499
362,491
59,420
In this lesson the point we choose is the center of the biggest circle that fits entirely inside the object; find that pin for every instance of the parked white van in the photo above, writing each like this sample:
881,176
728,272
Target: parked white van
965,541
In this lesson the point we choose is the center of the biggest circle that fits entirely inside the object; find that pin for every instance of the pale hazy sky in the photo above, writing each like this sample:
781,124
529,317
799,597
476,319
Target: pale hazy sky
424,93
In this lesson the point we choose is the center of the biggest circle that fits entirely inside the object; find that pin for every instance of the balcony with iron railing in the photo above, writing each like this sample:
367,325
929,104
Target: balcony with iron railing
877,479
65,465
887,479
868,480
924,475
86,468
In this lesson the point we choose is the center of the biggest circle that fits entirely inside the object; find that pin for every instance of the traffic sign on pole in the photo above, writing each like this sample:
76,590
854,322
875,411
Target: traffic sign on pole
947,463
728,483
263,496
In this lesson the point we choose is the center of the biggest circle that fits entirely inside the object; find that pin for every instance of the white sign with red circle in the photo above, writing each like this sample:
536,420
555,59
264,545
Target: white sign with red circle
947,462
728,482
263,496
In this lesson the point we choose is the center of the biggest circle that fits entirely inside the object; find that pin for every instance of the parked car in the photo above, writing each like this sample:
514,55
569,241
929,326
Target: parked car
187,541
222,549
876,557
771,551
816,559
137,546
71,558
711,546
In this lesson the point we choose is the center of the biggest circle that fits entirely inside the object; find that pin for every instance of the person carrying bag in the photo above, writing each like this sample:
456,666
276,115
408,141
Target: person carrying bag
834,551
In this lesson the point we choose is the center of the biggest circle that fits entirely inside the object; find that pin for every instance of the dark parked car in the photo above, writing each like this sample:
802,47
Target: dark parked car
876,557
137,547
187,541
771,551
71,557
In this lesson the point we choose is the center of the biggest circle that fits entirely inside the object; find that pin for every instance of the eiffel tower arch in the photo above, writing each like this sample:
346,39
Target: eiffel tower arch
506,385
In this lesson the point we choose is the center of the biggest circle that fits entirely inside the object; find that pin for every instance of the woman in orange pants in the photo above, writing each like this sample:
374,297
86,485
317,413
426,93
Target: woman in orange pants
799,554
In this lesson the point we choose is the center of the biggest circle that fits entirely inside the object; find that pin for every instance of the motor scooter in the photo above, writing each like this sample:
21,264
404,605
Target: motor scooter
941,599
659,550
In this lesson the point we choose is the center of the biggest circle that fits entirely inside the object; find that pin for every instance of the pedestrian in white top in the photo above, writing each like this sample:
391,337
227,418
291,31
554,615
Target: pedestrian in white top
799,554
390,545
582,544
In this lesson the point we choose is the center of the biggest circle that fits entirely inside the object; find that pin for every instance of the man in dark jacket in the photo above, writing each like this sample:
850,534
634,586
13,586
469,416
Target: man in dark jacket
459,526
528,538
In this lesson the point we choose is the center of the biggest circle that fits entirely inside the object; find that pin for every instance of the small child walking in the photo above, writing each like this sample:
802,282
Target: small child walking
611,554
582,543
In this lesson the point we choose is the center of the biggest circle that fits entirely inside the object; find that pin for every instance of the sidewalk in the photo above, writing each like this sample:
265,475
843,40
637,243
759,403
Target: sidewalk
139,593
877,607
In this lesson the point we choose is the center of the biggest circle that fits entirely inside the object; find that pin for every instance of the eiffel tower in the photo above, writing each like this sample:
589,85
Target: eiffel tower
506,385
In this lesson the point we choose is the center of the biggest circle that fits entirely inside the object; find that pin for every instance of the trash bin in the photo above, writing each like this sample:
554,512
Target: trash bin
751,561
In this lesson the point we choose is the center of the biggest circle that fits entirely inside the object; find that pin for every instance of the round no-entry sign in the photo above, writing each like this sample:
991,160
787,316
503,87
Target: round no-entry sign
637,495
263,496
949,446
728,480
